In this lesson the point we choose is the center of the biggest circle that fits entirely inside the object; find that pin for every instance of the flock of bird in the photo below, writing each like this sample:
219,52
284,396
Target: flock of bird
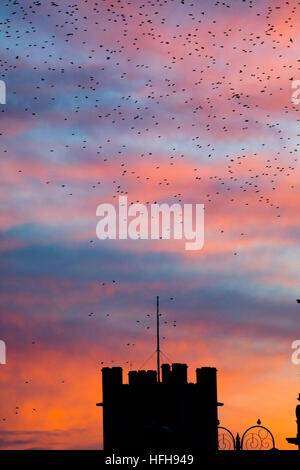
157,100
192,49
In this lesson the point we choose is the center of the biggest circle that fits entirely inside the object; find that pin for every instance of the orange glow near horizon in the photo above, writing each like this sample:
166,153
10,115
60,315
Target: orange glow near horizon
163,102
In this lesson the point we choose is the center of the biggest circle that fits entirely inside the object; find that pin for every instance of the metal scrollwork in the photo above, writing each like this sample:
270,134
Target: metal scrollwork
226,439
257,438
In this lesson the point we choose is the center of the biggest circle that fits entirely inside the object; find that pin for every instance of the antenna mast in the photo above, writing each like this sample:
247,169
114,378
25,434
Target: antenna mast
157,339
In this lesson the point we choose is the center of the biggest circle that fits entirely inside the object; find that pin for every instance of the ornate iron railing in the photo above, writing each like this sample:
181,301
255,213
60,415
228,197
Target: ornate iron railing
254,438
226,439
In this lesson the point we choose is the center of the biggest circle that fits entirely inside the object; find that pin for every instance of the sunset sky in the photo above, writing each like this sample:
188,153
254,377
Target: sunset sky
168,101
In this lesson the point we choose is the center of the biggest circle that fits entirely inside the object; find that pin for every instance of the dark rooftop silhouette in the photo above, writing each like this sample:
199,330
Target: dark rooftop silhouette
172,414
